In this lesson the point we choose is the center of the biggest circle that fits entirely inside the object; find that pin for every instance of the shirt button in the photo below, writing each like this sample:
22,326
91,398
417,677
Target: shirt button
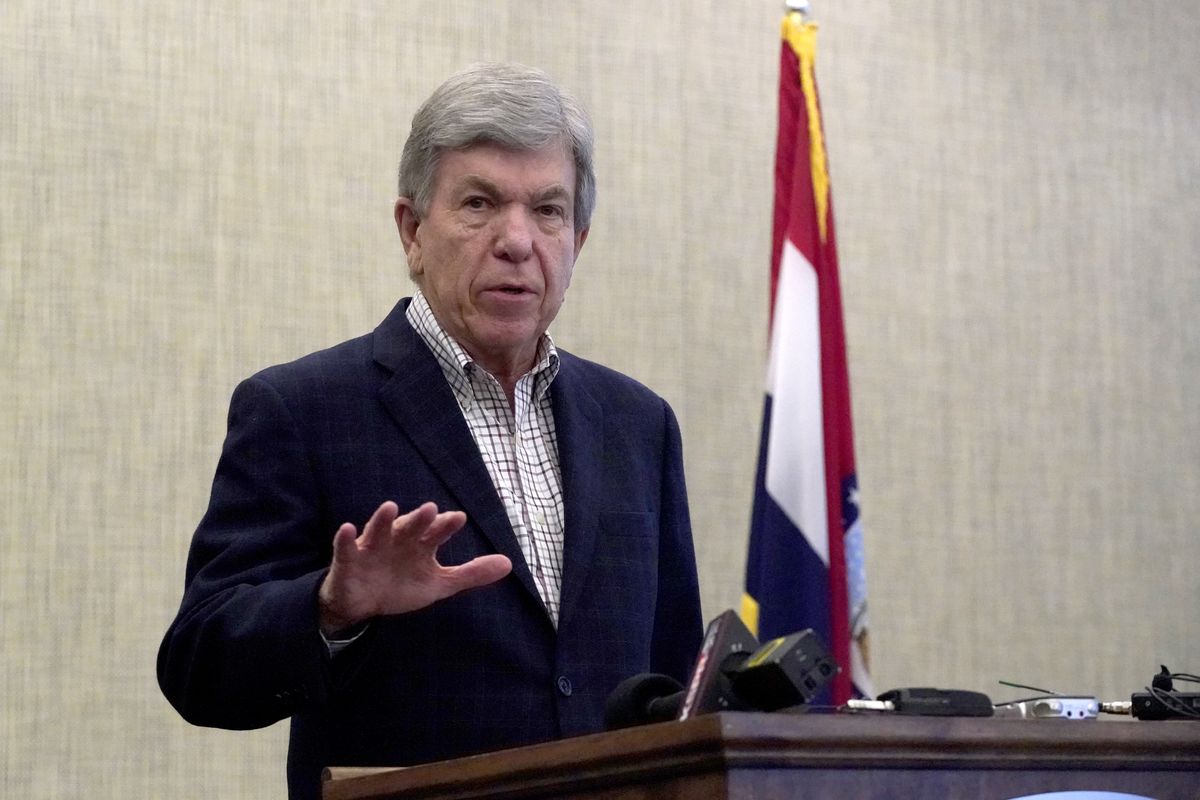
564,686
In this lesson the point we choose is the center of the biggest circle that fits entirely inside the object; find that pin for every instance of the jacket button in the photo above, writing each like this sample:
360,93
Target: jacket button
564,686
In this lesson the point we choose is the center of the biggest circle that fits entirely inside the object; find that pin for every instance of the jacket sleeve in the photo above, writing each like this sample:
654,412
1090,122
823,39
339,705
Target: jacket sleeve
677,619
245,650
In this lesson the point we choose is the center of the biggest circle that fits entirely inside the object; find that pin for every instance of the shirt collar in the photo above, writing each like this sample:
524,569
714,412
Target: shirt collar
458,366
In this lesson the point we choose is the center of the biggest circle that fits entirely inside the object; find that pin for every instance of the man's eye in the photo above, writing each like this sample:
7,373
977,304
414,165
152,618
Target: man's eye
475,203
551,211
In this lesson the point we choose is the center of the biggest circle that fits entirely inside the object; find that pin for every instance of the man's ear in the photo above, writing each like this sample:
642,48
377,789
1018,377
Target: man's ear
407,222
580,238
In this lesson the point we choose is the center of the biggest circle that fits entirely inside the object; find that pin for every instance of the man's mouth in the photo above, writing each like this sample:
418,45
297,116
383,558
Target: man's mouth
512,290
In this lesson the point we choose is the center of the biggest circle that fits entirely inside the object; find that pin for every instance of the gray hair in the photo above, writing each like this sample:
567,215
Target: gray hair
510,105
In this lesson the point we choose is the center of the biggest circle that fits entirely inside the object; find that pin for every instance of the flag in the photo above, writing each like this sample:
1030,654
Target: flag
805,565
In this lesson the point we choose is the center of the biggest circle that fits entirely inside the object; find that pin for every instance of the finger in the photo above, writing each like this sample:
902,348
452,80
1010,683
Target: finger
443,527
345,548
415,522
477,572
345,545
379,523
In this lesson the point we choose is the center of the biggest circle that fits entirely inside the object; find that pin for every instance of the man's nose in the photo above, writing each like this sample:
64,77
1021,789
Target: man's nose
514,234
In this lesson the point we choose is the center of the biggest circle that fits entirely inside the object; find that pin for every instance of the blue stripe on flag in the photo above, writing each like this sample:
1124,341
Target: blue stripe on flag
783,574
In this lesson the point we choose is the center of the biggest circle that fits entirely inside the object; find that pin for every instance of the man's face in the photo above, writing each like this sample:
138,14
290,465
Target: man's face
494,252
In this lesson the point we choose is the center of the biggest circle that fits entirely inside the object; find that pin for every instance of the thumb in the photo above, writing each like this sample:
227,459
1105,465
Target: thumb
477,572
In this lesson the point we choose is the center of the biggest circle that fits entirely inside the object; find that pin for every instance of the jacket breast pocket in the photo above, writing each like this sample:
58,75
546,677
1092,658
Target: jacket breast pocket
639,524
628,549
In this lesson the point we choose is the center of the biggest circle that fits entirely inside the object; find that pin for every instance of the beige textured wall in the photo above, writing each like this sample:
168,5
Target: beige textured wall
189,192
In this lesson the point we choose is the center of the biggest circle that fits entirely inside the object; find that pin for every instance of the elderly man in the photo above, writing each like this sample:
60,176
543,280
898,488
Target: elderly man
544,551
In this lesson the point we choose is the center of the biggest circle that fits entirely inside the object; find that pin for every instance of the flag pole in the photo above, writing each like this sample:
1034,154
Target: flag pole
805,564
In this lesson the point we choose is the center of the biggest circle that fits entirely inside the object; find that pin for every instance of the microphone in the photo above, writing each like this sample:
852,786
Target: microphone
643,699
732,672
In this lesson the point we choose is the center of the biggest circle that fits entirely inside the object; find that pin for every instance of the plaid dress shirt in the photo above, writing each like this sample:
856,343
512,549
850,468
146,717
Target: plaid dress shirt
519,445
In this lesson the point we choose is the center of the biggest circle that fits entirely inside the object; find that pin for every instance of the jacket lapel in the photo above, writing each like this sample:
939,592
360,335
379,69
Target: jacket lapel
579,423
423,405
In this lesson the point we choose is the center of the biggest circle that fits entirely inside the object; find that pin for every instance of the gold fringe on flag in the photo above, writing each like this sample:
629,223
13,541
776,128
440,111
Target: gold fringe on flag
749,613
801,36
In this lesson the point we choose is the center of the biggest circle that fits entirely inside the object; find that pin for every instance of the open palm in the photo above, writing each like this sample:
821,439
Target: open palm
393,568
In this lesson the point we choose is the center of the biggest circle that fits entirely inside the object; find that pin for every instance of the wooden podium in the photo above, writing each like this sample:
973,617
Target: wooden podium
769,756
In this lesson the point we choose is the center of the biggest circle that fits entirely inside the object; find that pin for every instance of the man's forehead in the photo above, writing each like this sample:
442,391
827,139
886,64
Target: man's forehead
551,167
542,189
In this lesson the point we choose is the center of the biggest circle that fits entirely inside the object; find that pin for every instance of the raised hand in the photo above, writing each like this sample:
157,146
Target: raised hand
393,568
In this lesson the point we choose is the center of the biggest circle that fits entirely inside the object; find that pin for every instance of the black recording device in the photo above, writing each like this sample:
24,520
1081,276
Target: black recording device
1161,701
1176,705
929,702
784,672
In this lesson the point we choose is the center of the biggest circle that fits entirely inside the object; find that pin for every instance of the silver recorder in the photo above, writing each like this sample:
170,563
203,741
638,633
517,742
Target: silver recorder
1051,708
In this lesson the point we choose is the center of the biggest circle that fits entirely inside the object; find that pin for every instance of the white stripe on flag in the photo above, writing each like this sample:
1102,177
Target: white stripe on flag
796,448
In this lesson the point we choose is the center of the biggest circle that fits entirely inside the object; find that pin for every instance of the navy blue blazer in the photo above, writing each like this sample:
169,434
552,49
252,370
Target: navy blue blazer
325,440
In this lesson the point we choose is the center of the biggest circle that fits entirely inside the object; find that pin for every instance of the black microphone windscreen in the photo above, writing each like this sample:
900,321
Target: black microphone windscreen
642,699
